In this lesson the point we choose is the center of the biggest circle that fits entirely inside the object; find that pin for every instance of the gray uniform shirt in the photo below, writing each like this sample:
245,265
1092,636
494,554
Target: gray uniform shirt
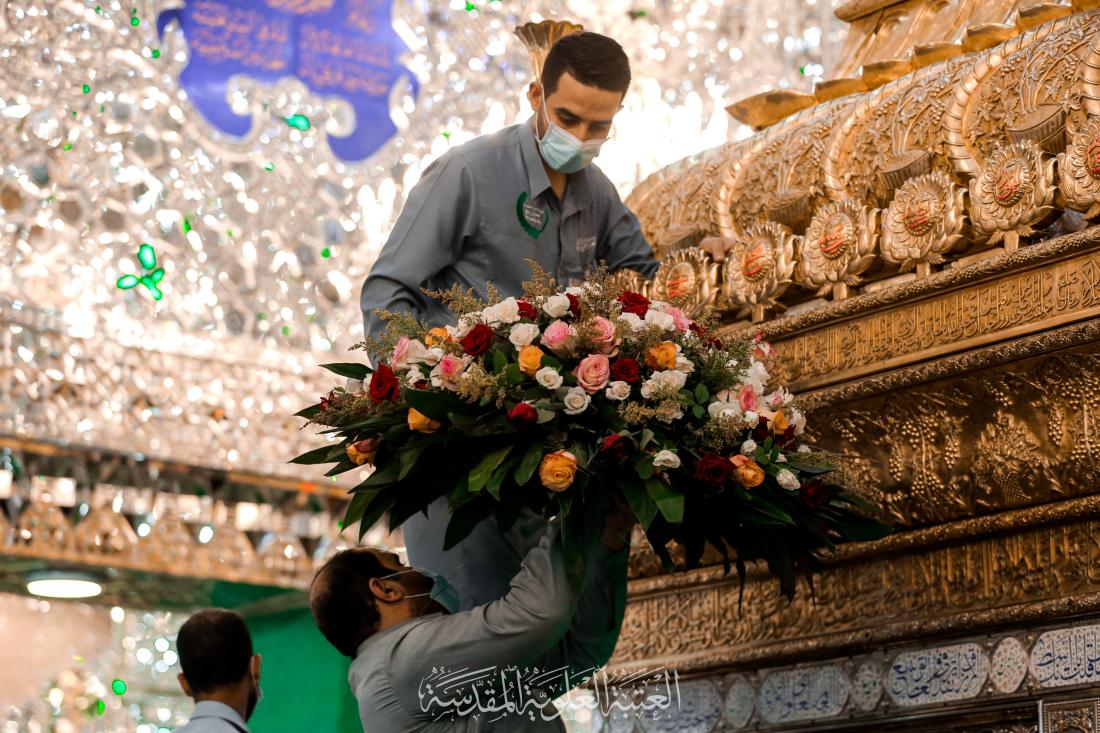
539,623
483,208
211,716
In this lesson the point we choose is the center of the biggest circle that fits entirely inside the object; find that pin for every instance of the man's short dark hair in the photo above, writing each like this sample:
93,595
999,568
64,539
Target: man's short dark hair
341,600
215,649
591,59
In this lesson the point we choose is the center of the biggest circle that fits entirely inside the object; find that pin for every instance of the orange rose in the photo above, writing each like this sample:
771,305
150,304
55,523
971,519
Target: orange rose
421,423
780,422
662,356
530,360
363,451
557,470
747,471
436,336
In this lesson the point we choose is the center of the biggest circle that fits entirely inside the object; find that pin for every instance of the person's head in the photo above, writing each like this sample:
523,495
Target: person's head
364,590
584,79
215,653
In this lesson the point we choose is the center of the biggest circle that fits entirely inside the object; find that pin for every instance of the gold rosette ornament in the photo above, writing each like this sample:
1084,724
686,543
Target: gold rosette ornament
686,275
1079,170
923,222
759,268
1013,193
839,245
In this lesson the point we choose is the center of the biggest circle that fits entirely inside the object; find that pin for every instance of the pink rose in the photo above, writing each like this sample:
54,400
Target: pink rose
556,334
401,351
448,370
747,399
408,352
593,373
603,336
682,322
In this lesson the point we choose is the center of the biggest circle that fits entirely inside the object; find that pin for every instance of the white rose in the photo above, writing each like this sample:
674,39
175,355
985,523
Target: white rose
556,306
433,356
757,376
804,449
575,291
617,391
723,409
464,326
748,447
797,420
666,459
632,320
787,480
576,401
668,380
751,418
684,364
669,411
506,311
353,386
548,377
657,318
522,334
780,458
658,305
413,376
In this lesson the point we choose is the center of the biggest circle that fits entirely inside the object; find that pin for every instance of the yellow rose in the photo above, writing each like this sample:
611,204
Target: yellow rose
436,336
747,471
363,451
780,422
557,470
530,359
421,423
662,356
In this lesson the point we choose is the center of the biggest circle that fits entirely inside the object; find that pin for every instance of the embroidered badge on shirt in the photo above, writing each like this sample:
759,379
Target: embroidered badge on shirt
585,245
532,217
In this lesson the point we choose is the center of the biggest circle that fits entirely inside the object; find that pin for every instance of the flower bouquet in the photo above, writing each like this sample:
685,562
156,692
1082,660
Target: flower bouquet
553,401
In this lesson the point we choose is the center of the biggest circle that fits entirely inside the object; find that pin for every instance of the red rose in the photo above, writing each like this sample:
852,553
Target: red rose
714,470
523,414
326,401
815,494
712,341
574,305
421,384
528,311
634,303
625,370
761,432
615,446
383,385
477,341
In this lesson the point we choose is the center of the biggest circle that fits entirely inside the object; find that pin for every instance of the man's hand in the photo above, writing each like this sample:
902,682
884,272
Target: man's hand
717,247
620,523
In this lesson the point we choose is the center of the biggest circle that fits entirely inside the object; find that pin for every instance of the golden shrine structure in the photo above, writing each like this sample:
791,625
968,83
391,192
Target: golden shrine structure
916,240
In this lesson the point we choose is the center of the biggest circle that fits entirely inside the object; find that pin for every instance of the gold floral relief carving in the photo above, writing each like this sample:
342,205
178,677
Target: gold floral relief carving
759,268
1010,82
1079,170
1022,434
1013,193
924,221
839,246
687,275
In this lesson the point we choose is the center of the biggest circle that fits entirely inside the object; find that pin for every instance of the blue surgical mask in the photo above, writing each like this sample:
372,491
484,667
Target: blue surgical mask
442,591
564,152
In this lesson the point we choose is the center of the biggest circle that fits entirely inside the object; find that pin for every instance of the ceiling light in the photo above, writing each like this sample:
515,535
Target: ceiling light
62,584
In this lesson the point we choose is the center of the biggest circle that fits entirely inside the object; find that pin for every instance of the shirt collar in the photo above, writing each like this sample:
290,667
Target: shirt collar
215,709
537,180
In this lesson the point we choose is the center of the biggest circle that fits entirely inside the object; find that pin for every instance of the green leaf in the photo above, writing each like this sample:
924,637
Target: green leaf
645,439
808,469
702,394
644,467
515,376
317,455
436,405
356,507
379,504
772,509
310,412
485,467
382,477
636,497
669,501
349,370
527,465
698,412
862,529
497,479
500,361
345,465
409,456
464,519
